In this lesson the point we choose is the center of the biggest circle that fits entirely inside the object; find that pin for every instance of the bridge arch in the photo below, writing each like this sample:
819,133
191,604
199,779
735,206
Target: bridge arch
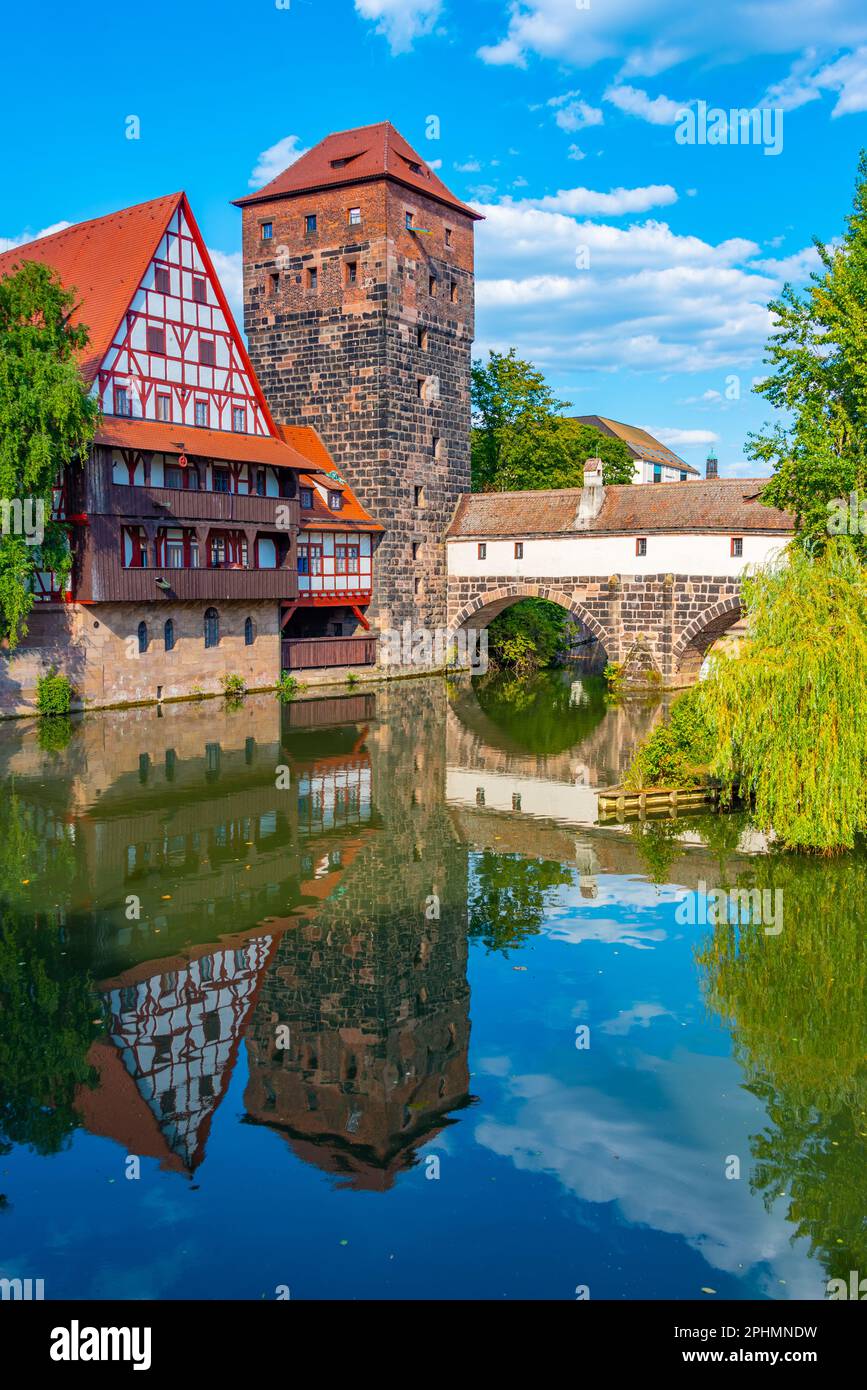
698,637
484,607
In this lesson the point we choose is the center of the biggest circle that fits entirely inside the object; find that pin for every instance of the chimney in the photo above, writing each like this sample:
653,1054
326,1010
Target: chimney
592,494
711,466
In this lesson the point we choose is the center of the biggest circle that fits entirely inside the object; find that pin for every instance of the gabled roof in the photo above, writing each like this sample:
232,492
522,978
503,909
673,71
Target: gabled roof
719,505
640,443
322,469
354,156
104,261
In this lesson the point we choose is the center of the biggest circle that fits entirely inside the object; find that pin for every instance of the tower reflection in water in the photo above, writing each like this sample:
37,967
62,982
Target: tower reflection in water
252,885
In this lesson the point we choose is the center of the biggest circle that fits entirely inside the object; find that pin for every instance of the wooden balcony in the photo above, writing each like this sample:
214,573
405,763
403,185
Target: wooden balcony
309,653
99,495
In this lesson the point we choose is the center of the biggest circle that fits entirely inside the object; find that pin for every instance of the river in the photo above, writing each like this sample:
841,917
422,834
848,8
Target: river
354,997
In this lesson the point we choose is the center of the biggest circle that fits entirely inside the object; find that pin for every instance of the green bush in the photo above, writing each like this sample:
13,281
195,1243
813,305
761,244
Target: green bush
287,687
678,752
542,625
53,693
233,687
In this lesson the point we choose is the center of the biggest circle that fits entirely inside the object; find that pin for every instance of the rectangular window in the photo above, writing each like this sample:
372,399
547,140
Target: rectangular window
351,272
448,236
310,223
260,482
432,285
416,547
201,413
218,551
174,552
162,280
164,406
174,476
483,551
418,496
335,501
274,283
207,352
519,550
657,473
355,217
315,559
121,401
313,278
409,221
641,545
156,338
453,291
421,338
303,560
737,547
200,290
221,480
306,496
267,231
239,419
419,387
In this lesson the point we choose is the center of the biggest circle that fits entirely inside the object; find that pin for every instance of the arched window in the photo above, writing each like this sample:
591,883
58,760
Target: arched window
142,637
169,634
248,632
212,627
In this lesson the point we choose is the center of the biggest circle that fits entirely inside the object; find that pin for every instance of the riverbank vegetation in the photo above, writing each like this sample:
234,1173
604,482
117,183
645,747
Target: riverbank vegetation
47,421
529,635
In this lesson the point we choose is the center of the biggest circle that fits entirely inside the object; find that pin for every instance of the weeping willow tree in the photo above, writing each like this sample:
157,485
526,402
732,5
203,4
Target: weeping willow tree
790,711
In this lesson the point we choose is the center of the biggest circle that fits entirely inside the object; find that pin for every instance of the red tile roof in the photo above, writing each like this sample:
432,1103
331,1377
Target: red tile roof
121,433
727,505
640,443
103,260
308,442
352,516
354,156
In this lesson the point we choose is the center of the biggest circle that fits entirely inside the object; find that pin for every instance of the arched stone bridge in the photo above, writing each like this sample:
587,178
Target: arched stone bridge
652,572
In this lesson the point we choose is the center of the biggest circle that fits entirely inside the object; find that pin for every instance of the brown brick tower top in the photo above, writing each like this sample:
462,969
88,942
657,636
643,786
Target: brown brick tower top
359,310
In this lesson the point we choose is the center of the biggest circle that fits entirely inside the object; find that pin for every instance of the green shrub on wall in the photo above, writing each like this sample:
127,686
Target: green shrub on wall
53,693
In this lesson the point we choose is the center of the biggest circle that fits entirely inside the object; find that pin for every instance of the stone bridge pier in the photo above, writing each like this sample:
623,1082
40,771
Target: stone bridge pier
658,626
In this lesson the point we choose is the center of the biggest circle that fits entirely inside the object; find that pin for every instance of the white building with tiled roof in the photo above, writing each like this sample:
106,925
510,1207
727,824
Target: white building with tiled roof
654,461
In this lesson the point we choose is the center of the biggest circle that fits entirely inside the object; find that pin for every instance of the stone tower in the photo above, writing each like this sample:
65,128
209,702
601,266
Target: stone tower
359,311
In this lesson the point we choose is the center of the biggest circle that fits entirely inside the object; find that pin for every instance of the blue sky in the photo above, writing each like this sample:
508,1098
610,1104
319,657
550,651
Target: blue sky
633,268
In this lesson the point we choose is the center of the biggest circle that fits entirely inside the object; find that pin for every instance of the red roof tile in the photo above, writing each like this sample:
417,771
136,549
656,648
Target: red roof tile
353,156
352,516
707,506
121,433
640,443
103,260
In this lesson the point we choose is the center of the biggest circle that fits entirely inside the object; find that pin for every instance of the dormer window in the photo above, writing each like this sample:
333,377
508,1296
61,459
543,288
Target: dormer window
306,496
415,168
335,501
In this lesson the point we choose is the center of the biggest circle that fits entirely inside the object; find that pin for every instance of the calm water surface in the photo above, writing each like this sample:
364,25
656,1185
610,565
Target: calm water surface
316,973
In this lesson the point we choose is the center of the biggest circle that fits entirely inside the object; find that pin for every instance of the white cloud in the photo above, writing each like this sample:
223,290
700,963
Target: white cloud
560,31
8,242
573,113
635,102
275,159
401,21
575,152
681,439
592,203
847,76
469,166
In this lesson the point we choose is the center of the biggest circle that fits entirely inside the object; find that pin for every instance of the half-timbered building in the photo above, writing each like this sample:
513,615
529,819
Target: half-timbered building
205,539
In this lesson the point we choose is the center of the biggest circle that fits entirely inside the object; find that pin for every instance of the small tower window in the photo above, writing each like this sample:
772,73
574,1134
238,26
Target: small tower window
267,231
274,283
355,217
416,547
248,632
313,278
421,338
142,637
212,627
453,292
641,545
448,236
169,635
351,272
310,223
409,220
432,285
418,496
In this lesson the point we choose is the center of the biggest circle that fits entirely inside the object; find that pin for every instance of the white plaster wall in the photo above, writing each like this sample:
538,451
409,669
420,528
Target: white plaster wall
594,554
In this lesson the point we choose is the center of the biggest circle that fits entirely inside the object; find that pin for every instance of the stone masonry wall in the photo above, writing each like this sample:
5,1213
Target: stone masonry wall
377,359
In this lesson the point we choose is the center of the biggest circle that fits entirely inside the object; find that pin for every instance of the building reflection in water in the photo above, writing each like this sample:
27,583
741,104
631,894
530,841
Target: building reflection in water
306,842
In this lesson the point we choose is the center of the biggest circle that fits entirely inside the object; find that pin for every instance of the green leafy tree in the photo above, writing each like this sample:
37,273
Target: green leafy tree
818,357
509,895
545,625
522,441
47,422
